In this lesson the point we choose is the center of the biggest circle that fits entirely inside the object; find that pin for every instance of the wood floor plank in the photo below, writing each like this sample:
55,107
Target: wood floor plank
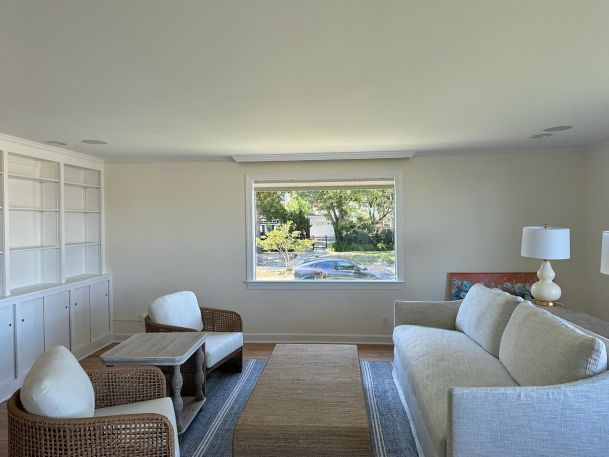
250,351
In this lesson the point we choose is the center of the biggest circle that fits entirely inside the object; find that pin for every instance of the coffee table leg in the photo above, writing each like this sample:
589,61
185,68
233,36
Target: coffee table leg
199,375
176,386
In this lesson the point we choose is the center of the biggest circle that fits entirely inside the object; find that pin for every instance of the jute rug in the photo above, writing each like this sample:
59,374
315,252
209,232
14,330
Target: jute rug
211,433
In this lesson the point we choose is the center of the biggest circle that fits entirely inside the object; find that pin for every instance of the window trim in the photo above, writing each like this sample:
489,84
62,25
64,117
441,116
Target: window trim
250,226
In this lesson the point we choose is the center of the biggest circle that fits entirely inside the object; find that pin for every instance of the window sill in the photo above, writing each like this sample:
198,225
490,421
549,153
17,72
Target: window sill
324,285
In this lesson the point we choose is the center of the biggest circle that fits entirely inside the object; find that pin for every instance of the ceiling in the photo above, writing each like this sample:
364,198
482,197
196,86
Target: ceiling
207,79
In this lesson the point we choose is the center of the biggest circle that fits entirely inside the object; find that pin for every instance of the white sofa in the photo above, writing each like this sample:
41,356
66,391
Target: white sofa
493,376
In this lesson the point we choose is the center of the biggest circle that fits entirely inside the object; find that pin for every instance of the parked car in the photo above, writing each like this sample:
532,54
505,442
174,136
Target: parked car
336,269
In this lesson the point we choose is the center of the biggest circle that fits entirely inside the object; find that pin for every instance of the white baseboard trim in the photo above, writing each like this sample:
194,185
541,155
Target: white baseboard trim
300,338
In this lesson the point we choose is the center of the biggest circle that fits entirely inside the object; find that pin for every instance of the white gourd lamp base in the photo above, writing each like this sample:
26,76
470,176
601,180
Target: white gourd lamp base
545,291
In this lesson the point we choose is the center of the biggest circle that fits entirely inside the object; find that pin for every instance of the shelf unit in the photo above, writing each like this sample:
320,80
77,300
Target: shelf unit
82,216
51,209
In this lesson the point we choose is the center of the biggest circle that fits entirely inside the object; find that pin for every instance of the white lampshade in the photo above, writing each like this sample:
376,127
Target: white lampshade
546,243
605,254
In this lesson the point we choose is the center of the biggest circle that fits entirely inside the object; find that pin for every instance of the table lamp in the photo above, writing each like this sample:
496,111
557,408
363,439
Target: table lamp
545,243
605,254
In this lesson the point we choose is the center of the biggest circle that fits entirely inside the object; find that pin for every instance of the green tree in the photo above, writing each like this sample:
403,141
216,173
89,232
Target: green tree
378,204
339,206
298,210
269,206
285,241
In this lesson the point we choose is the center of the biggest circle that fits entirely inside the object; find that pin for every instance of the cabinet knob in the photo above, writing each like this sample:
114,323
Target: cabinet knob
22,320
75,304
66,306
10,325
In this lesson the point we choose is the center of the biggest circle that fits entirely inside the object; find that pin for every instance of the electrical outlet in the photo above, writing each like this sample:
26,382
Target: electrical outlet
384,321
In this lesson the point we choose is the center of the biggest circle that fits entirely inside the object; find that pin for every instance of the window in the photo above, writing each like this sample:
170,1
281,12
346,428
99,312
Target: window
303,232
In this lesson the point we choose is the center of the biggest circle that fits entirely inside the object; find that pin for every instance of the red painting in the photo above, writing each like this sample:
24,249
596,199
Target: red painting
514,283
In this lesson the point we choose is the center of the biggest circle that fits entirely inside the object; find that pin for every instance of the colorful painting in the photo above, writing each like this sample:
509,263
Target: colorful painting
514,283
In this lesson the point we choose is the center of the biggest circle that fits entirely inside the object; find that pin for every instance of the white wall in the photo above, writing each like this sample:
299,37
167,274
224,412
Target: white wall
173,226
597,186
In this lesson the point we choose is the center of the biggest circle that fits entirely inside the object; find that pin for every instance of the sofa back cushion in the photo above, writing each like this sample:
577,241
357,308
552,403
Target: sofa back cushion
57,386
179,309
538,349
484,314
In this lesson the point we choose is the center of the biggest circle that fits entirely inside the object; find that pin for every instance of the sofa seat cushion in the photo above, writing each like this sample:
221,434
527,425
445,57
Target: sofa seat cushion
162,406
484,314
57,386
538,348
179,309
221,344
434,360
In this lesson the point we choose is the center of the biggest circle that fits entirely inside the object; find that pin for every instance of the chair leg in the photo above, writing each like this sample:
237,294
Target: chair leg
235,363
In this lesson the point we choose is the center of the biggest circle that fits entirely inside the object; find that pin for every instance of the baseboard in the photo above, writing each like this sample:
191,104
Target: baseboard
316,338
300,338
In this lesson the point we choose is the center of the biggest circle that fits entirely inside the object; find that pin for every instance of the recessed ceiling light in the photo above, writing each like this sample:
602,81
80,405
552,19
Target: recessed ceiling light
558,128
94,141
541,135
56,143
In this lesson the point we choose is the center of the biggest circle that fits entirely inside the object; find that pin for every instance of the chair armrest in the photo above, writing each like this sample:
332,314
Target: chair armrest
556,421
221,320
130,434
122,385
439,314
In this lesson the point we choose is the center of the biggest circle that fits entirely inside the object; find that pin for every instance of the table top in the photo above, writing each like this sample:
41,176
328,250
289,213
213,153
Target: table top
155,349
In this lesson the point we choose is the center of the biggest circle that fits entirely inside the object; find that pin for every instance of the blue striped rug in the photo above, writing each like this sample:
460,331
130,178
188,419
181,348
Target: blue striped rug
211,433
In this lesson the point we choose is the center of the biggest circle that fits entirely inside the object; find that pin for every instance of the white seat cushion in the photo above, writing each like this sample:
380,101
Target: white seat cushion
162,406
57,386
179,309
220,344
434,360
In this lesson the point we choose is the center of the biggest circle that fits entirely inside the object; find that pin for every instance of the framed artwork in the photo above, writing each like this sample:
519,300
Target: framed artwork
518,283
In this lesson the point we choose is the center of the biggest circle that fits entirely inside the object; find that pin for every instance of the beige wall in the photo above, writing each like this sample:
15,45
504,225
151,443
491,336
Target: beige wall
597,185
173,226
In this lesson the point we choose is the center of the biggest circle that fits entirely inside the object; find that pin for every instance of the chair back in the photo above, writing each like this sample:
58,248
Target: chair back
179,309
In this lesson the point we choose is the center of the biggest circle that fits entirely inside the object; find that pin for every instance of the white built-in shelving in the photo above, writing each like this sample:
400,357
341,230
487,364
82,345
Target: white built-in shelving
52,220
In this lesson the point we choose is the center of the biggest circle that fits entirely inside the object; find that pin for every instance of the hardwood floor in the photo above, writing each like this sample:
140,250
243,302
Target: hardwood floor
250,351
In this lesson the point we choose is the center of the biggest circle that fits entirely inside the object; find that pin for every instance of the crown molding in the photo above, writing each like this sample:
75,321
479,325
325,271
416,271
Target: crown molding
22,142
305,156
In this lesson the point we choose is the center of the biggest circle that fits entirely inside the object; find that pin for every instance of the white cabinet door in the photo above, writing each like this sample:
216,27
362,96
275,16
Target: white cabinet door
7,344
30,333
100,310
80,318
57,320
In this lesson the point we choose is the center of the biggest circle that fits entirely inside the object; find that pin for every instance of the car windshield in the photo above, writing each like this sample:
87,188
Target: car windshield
342,265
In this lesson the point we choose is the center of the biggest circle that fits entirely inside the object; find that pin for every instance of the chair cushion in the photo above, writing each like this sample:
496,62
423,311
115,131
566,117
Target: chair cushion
484,314
57,386
434,360
220,344
179,309
162,406
538,349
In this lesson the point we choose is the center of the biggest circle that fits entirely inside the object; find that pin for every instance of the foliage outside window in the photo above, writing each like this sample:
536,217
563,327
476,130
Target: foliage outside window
325,231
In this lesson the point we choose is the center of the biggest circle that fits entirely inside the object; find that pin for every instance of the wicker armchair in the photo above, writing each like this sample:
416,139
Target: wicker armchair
215,320
132,435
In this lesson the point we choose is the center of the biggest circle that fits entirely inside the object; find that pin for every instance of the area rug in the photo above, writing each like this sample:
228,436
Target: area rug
211,432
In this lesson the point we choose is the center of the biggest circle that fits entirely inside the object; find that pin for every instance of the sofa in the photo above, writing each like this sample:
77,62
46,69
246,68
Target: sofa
493,375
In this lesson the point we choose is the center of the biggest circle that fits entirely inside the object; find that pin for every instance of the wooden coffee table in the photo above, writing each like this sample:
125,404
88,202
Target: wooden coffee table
166,349
309,401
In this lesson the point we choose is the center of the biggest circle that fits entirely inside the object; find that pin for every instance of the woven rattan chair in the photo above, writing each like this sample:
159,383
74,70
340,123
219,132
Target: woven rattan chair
133,435
215,320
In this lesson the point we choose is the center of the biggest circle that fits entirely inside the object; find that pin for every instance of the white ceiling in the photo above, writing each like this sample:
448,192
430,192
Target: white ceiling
158,78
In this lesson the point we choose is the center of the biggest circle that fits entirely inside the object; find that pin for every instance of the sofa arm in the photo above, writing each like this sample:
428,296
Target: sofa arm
555,421
439,314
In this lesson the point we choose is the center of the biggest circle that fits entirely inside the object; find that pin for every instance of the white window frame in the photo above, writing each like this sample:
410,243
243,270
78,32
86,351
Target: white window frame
250,218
